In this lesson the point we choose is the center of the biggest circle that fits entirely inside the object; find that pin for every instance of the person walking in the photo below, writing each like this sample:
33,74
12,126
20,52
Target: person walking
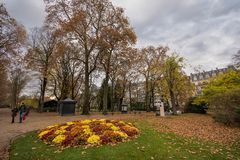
14,113
27,111
21,112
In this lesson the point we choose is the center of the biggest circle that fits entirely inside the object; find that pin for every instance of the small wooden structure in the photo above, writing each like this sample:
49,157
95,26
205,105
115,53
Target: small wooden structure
67,107
50,106
124,108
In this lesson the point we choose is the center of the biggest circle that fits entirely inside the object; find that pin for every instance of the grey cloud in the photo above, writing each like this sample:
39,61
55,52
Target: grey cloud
28,12
206,32
223,7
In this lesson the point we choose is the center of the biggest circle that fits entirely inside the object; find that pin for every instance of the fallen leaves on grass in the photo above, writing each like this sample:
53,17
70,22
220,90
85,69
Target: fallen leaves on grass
197,126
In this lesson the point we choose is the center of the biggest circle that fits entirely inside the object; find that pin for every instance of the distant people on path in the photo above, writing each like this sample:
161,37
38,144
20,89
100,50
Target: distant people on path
22,110
14,113
27,111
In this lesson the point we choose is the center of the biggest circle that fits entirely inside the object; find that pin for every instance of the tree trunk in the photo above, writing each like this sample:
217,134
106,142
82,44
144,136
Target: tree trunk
105,91
173,101
86,104
72,86
147,96
105,95
112,96
130,95
43,88
122,94
152,95
14,94
120,104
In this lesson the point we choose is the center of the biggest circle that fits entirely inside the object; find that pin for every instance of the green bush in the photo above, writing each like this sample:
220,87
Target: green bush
222,118
227,107
222,95
138,106
191,107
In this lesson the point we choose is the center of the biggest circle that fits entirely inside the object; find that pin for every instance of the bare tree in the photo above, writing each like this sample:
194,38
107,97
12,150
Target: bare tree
236,59
40,56
67,73
4,83
150,61
12,34
18,80
12,38
83,22
116,37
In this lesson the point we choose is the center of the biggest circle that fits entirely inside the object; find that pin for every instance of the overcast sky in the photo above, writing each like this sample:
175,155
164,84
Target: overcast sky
205,32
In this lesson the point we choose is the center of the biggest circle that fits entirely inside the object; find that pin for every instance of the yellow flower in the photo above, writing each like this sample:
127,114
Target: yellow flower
43,133
85,126
102,120
133,128
109,124
114,128
87,131
122,134
69,123
52,126
93,139
59,131
59,139
121,122
63,127
82,130
130,124
87,121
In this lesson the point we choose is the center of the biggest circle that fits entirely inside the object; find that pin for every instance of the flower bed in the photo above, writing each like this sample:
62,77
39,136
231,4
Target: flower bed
88,132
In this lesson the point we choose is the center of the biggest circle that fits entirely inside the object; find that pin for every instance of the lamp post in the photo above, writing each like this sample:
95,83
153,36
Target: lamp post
157,104
124,108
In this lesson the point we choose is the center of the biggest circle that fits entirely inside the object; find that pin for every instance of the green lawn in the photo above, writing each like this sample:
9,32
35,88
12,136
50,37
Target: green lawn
149,145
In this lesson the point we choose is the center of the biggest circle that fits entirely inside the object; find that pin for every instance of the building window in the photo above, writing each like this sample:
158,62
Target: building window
195,78
207,76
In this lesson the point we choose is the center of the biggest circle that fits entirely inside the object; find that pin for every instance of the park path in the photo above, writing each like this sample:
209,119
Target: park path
34,121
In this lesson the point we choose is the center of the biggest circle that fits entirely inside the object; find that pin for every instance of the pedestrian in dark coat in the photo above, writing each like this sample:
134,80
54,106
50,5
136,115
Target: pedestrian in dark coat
14,113
27,111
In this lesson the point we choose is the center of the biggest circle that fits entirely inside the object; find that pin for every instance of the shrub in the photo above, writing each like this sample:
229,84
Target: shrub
192,107
227,107
222,95
222,118
138,106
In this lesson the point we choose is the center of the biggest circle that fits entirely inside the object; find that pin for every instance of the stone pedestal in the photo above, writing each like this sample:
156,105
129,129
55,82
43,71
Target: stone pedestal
162,113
